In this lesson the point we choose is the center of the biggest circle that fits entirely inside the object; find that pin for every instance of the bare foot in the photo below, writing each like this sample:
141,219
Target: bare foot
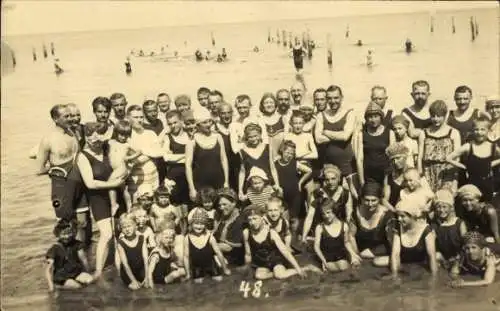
313,268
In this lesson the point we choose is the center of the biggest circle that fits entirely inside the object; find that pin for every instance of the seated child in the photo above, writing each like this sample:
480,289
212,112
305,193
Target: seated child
331,241
448,227
165,262
143,228
276,220
66,260
133,253
163,207
265,250
201,250
206,199
416,188
120,155
477,259
259,191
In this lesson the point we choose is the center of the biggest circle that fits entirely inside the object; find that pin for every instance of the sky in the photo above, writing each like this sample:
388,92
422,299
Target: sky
34,17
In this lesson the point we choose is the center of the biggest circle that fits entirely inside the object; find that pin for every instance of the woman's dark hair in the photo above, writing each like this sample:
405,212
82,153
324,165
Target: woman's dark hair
372,189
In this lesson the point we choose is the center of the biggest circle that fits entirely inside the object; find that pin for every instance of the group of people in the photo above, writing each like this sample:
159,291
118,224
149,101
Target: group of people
196,192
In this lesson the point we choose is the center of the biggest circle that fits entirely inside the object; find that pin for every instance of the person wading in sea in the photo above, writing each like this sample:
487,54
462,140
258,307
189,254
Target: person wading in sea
58,149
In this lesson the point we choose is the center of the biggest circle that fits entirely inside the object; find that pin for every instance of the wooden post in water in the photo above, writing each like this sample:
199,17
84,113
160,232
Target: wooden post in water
472,29
453,24
268,35
347,31
329,54
432,24
284,38
278,36
213,39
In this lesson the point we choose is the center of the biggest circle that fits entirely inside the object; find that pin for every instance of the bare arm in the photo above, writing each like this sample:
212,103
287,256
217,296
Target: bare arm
248,252
189,164
241,180
126,266
352,236
306,173
360,157
168,156
421,139
153,261
218,253
489,274
153,147
493,220
318,132
463,229
274,172
348,207
346,134
49,270
284,249
145,258
187,264
308,221
223,159
88,177
456,154
83,259
313,151
430,245
413,132
43,157
395,254
317,244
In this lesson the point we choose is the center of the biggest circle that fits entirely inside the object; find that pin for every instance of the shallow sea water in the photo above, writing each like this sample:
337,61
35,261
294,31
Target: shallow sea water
94,67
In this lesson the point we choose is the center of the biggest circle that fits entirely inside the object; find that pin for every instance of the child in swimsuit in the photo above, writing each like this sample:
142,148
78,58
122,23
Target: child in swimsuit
277,220
201,250
163,209
165,262
120,155
141,219
448,227
331,241
477,259
400,126
265,250
259,190
133,253
306,150
66,260
481,157
414,241
288,174
206,200
417,188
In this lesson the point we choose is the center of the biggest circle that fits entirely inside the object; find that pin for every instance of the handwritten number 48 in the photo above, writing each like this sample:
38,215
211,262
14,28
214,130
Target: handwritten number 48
245,287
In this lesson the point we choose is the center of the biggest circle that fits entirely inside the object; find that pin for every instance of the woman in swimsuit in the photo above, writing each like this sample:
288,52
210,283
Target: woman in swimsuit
276,124
414,241
393,181
95,169
370,226
206,161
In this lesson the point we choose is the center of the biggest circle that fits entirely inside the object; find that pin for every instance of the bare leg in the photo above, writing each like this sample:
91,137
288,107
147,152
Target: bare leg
281,273
263,274
105,235
174,275
72,284
337,266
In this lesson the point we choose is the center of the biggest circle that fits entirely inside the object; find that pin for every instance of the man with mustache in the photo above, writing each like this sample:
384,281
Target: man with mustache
119,105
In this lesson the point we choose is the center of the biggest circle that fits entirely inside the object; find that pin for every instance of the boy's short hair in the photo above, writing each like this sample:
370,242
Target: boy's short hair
481,117
286,144
206,194
63,224
162,191
127,217
203,90
123,127
438,108
254,209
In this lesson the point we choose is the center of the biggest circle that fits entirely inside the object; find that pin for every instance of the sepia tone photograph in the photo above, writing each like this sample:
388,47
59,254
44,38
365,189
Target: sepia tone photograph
250,155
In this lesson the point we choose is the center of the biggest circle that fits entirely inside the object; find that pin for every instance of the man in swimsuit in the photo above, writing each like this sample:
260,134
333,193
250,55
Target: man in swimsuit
203,94
418,113
297,91
119,105
59,149
283,98
461,118
182,103
163,101
215,98
319,97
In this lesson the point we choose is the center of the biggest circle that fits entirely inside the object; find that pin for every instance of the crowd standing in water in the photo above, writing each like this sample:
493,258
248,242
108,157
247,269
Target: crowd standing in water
192,194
